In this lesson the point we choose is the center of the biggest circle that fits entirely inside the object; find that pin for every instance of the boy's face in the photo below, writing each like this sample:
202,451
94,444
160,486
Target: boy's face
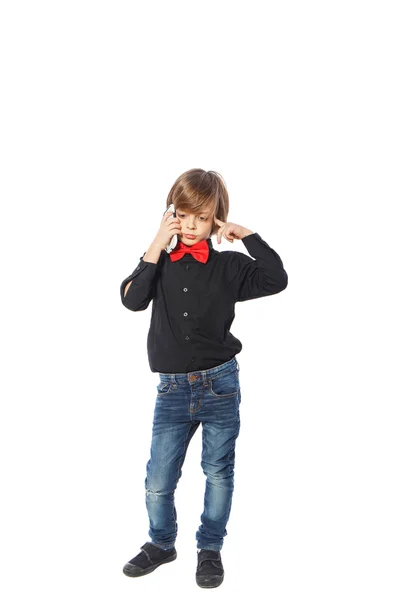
199,226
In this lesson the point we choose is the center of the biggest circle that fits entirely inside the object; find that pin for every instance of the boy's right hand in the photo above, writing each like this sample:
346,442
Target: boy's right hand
169,226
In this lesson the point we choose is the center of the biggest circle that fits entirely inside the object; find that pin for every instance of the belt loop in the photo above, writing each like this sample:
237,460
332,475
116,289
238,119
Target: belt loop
204,377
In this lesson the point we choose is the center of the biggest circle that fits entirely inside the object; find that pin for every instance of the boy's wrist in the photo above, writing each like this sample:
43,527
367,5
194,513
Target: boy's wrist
157,245
246,233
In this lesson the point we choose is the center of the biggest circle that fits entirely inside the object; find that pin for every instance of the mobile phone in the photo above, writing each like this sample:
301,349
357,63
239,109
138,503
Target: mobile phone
174,240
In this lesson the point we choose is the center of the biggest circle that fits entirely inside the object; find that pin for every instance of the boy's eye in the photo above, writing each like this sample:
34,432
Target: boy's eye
183,216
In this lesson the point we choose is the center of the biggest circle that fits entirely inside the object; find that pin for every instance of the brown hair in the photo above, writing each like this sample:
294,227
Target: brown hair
197,190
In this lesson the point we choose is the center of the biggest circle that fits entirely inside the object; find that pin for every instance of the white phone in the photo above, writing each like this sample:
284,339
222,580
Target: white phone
174,240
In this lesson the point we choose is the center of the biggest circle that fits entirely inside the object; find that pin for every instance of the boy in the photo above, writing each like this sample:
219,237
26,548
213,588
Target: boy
194,290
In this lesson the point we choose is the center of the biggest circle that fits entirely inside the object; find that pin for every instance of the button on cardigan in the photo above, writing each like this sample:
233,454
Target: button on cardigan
194,303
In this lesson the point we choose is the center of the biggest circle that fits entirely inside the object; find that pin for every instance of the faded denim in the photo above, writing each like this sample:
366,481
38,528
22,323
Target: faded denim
184,400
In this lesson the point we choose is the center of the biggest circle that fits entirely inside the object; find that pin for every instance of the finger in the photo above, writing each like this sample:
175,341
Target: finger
221,232
226,232
227,237
174,232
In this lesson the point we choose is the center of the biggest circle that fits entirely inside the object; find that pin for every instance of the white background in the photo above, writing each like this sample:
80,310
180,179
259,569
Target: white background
103,106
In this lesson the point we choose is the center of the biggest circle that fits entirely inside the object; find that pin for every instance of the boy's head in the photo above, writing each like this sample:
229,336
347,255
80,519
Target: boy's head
199,196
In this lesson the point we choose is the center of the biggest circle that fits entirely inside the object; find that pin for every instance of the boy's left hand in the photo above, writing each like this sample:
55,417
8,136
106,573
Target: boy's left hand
231,231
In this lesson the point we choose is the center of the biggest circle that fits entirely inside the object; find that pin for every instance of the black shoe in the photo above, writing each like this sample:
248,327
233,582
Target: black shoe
210,572
148,559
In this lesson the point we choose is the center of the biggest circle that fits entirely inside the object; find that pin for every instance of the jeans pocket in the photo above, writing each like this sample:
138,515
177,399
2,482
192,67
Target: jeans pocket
163,388
225,385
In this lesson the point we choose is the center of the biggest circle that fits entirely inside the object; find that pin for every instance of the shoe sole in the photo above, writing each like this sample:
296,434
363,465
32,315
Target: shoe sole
150,569
209,581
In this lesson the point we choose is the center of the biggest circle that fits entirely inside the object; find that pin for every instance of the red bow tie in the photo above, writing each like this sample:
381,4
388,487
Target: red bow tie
199,251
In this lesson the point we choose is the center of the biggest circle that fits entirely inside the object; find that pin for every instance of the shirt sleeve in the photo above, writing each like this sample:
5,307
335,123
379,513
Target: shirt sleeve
263,276
141,290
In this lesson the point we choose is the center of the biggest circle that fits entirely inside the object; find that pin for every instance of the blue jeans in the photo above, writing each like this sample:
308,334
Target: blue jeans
184,400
